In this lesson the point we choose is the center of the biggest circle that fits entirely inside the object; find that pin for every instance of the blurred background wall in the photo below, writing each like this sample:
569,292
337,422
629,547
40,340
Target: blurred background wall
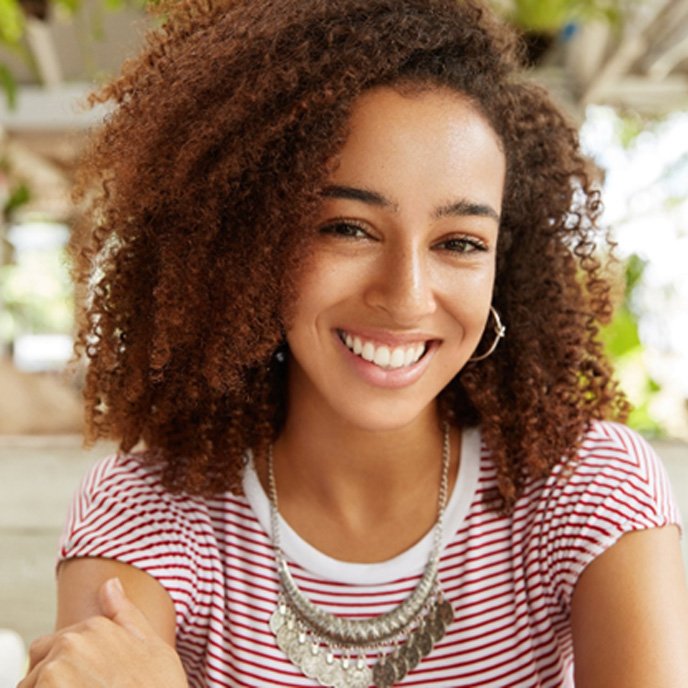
619,67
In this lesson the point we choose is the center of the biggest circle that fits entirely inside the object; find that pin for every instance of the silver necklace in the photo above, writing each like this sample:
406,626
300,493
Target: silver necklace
331,649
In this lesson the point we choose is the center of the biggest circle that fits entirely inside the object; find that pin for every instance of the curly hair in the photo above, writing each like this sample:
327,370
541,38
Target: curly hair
199,193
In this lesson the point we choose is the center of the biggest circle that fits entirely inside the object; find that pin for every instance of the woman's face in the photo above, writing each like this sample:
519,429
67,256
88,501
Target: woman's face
396,295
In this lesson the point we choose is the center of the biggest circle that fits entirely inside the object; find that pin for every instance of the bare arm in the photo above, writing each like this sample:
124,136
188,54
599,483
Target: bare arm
79,580
630,615
115,627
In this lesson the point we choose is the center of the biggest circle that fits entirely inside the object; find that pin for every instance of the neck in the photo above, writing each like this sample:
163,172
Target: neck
336,455
357,492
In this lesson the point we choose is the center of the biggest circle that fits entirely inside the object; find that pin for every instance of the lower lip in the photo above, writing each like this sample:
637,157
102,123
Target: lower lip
390,378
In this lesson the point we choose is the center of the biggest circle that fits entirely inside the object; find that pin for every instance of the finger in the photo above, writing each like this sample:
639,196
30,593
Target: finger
38,652
39,649
119,608
29,681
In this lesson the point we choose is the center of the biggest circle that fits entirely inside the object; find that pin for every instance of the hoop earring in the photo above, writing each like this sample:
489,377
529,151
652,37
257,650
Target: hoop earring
500,332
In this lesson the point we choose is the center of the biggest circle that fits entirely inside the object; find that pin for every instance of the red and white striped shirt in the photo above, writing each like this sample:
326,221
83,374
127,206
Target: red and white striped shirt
510,578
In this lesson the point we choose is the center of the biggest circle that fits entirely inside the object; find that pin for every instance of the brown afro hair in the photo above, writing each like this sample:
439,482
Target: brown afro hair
199,191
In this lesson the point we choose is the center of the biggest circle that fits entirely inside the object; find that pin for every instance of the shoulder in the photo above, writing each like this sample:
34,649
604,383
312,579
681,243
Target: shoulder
123,514
616,478
128,477
121,469
123,499
616,485
617,465
615,444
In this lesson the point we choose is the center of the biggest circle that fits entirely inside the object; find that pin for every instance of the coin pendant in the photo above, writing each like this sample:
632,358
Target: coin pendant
436,627
329,674
285,638
424,641
276,621
308,666
384,675
411,654
401,667
297,649
446,612
357,676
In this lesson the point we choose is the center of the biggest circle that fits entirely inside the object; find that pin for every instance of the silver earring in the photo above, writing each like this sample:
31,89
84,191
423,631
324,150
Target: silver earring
500,332
280,354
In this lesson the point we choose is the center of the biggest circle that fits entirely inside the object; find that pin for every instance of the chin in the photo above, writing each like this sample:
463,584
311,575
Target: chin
387,417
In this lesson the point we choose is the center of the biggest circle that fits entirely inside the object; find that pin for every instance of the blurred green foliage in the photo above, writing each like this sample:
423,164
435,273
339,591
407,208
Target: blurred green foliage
11,31
37,296
11,22
19,195
553,15
624,346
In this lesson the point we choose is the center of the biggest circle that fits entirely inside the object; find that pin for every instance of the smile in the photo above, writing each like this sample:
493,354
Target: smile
381,355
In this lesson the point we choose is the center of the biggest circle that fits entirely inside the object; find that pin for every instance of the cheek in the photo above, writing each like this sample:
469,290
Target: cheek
317,291
469,289
468,305
327,281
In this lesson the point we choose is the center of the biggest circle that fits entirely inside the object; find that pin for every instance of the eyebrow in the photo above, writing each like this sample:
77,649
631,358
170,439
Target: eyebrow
458,208
463,207
352,193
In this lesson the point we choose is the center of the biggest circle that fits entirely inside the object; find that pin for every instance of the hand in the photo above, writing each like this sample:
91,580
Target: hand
119,649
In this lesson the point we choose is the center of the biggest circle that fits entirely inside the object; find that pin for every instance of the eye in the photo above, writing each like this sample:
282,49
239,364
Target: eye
462,244
345,228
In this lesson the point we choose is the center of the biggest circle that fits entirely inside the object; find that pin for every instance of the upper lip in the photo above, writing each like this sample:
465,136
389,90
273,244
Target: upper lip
387,338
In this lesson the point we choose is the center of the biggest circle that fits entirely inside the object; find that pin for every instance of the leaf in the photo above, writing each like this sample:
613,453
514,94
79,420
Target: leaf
641,419
634,270
541,16
630,126
72,6
9,86
621,337
552,15
19,196
11,22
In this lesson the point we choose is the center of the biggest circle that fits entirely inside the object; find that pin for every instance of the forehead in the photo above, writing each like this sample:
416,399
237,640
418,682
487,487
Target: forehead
432,141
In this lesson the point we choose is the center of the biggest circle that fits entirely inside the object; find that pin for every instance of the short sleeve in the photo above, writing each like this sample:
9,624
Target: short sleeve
122,512
618,485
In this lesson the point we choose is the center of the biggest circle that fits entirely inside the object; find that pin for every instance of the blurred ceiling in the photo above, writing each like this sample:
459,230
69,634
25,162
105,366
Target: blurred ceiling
62,58
639,63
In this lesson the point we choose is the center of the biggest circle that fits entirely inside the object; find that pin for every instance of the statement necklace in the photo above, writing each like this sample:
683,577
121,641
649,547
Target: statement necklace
331,649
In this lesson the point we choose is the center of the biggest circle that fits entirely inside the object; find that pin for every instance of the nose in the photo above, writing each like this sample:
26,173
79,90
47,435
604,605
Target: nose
402,285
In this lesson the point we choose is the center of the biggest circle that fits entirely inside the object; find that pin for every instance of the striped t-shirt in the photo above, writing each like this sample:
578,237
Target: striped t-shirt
510,579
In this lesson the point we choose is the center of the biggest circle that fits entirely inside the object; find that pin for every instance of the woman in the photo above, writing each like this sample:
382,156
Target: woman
346,291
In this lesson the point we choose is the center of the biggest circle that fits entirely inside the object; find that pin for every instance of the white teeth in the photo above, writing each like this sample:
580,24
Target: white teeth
382,355
410,356
398,358
368,352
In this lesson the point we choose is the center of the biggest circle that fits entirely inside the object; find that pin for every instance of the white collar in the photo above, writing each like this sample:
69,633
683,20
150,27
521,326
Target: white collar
406,564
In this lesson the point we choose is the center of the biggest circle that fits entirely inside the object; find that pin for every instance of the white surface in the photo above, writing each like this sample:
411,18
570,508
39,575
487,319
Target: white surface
59,108
12,658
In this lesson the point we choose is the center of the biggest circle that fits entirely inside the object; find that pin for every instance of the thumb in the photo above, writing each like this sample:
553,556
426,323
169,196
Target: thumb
115,604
